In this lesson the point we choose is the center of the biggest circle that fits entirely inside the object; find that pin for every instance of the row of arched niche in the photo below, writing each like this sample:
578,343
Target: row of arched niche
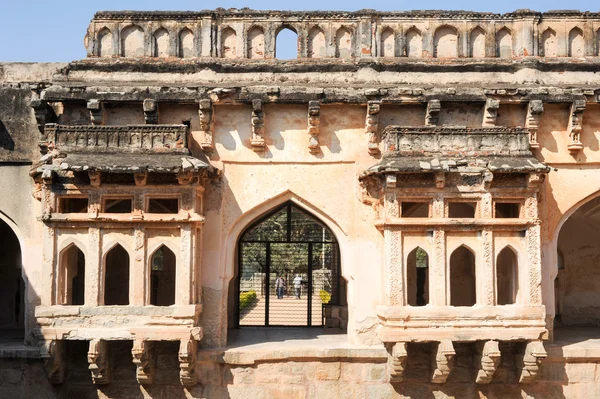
446,43
116,266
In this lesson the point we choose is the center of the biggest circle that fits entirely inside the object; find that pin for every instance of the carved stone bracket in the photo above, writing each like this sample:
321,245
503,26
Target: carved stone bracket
187,361
433,112
95,178
53,354
440,180
529,363
258,126
150,111
184,178
489,353
442,360
372,126
99,363
490,112
205,114
96,115
575,125
143,358
397,361
141,179
314,123
534,113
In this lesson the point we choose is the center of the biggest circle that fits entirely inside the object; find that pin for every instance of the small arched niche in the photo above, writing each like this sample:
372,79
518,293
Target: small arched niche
186,43
162,277
256,43
414,43
504,43
317,46
105,45
477,43
507,277
388,43
549,45
417,279
445,42
462,277
286,44
71,286
132,41
343,43
576,43
228,43
116,276
160,43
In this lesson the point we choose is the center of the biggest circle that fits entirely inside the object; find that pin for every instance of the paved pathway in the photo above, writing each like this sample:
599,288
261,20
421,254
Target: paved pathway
287,311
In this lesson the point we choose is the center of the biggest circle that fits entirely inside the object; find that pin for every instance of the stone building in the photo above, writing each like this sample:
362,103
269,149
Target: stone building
417,195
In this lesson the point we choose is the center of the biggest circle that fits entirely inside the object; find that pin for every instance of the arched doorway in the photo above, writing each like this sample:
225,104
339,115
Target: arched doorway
288,270
12,286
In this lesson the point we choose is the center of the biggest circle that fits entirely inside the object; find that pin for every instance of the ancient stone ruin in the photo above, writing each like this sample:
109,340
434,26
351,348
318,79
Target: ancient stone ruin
408,208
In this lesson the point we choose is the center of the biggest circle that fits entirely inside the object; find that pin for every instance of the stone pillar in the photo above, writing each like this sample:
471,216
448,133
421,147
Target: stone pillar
185,266
392,238
208,46
94,272
534,259
438,272
139,280
485,274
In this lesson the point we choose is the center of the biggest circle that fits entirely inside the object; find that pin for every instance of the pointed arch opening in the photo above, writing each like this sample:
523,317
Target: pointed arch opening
162,277
576,43
286,44
445,42
12,286
343,43
317,46
160,43
289,272
549,45
132,41
504,43
462,277
388,43
228,43
256,43
414,43
71,277
186,43
477,43
105,45
116,276
417,279
507,277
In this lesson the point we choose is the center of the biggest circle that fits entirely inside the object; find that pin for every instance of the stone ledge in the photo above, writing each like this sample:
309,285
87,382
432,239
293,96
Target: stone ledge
19,352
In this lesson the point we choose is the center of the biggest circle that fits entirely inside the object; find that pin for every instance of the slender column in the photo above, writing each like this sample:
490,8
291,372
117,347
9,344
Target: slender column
437,264
533,245
138,279
94,272
485,269
185,266
49,286
392,237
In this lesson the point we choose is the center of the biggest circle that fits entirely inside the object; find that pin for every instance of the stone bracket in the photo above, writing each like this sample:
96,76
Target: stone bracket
96,112
397,357
144,360
442,360
529,362
489,358
141,179
314,123
258,126
53,354
440,180
150,111
490,112
575,125
187,361
534,113
99,361
433,112
372,126
95,178
43,113
205,115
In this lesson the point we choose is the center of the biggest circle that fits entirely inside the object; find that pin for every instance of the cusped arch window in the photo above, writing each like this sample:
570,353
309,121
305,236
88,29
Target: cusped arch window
417,279
317,46
286,43
162,277
463,290
116,276
507,277
71,276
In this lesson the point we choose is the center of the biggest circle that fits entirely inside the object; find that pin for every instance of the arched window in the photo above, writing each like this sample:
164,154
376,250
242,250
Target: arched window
132,41
289,271
462,278
507,277
417,281
445,42
162,277
160,43
12,287
286,44
504,43
414,43
71,276
388,43
317,47
116,276
256,43
186,43
105,45
343,43
549,43
228,43
576,43
477,43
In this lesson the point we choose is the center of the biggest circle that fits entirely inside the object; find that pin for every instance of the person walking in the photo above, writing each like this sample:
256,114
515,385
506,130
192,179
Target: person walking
298,285
279,287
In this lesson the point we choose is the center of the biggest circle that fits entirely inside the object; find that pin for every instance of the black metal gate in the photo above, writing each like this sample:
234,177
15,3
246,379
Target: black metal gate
289,266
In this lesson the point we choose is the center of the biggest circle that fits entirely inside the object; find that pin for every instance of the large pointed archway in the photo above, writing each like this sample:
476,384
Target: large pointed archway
288,270
12,286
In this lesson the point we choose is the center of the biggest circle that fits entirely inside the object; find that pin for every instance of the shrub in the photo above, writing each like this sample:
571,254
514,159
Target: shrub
247,298
325,296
